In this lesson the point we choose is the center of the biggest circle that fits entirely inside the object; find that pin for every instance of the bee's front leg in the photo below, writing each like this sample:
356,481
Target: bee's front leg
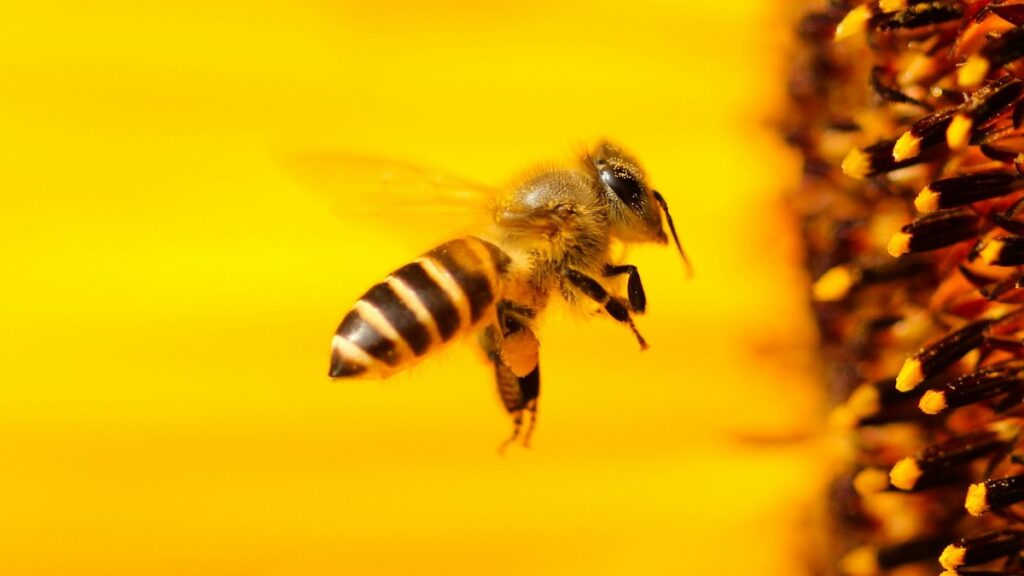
634,288
592,289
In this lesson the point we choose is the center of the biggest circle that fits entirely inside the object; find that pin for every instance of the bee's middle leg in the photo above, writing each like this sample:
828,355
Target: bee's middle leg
614,306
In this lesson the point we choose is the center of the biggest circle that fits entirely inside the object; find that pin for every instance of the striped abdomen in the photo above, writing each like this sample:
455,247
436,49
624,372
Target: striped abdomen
419,307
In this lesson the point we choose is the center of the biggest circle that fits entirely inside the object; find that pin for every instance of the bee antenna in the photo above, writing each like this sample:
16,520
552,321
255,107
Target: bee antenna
672,228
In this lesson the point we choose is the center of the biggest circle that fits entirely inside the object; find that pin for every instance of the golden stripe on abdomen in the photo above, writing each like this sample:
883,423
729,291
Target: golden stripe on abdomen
347,359
469,272
433,298
402,319
357,330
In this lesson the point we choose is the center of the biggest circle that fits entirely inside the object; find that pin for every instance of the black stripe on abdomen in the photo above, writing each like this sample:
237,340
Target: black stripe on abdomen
386,301
466,269
358,331
433,297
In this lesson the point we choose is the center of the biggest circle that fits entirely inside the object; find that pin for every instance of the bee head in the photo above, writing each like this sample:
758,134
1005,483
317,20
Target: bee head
633,212
634,209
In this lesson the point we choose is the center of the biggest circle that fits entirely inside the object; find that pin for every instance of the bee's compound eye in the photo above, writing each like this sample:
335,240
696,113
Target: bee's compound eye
624,185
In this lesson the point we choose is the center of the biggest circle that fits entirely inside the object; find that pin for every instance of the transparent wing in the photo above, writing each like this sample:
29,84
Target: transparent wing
399,198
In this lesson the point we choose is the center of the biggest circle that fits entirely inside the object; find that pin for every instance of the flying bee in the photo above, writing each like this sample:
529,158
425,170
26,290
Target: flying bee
550,234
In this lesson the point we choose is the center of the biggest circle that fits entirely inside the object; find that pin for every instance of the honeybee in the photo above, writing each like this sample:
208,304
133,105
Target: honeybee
552,233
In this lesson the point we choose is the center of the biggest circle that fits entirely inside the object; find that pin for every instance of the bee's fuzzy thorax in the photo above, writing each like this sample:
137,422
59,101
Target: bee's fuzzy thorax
556,217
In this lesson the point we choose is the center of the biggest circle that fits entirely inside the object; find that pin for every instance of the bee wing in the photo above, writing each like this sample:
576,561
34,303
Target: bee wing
412,200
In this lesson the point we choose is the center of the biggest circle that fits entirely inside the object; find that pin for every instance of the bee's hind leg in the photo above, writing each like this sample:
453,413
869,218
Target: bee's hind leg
512,349
614,306
517,426
524,392
634,287
531,407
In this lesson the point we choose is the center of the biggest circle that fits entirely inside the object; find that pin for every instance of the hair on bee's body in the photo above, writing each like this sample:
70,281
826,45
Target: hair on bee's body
551,232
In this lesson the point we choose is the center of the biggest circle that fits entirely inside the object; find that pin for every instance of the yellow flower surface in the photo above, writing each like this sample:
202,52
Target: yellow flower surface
171,288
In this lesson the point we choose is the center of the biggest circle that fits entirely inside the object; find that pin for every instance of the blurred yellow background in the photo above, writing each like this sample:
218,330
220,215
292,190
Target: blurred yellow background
172,288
